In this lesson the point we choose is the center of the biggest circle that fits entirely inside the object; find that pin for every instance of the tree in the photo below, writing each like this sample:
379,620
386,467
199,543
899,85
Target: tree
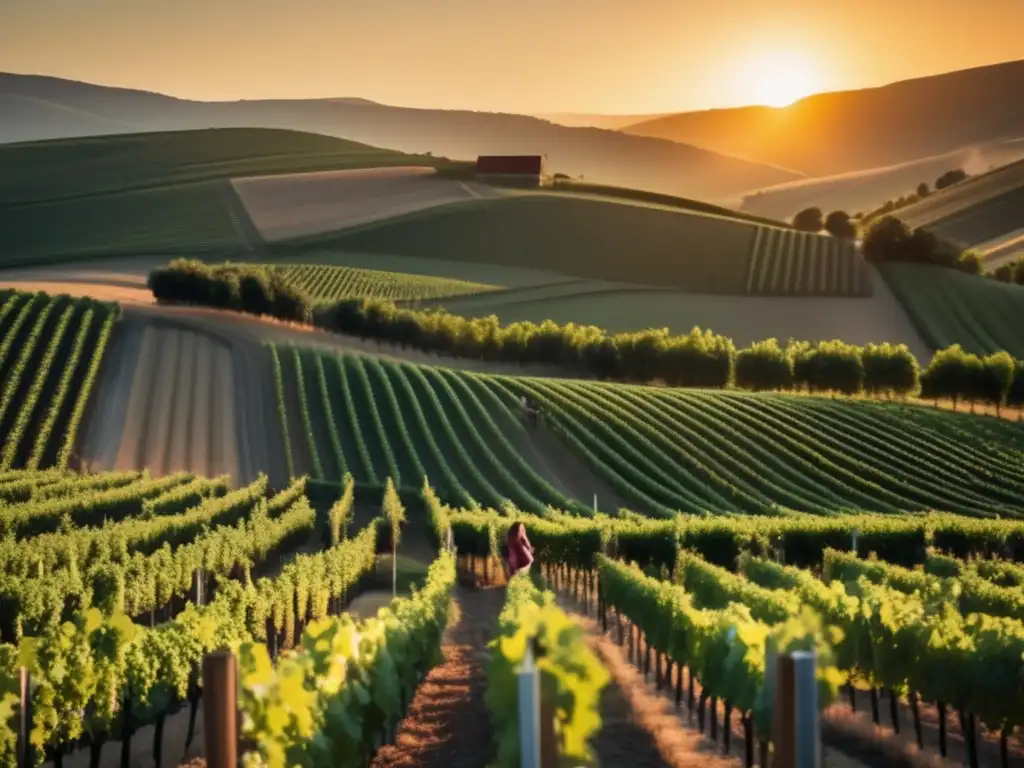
764,365
809,220
886,240
923,191
839,224
949,178
1004,273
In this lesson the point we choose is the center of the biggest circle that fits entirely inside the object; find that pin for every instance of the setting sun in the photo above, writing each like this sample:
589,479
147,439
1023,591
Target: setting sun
778,78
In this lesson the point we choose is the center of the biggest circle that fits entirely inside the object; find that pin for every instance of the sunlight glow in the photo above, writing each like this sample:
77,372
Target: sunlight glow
778,78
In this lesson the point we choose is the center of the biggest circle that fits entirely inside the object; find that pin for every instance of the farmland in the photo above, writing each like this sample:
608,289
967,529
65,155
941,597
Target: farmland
324,282
287,206
586,237
949,307
789,263
166,193
655,450
50,354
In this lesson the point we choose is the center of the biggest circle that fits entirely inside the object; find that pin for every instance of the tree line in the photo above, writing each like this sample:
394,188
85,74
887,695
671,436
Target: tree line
250,288
841,224
699,358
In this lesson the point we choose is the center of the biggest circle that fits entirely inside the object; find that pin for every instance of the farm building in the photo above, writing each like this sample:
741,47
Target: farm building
521,170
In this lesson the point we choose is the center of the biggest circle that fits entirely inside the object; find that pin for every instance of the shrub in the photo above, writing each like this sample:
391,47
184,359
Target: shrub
949,178
764,365
838,224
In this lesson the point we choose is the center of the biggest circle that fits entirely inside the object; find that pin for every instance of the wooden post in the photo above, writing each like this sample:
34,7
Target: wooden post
26,758
784,713
220,709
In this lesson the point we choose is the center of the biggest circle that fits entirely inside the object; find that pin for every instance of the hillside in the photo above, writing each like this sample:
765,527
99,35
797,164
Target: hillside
833,133
155,192
601,155
602,238
949,307
866,190
974,211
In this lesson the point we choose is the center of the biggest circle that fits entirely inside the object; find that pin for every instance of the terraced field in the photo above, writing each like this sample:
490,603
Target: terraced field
790,263
50,353
656,450
949,307
584,237
325,283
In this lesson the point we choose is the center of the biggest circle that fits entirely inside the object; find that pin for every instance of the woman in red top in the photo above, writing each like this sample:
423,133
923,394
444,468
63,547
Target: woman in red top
520,551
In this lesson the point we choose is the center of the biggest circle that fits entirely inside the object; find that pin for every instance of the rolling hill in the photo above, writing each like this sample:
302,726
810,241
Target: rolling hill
832,133
154,193
77,109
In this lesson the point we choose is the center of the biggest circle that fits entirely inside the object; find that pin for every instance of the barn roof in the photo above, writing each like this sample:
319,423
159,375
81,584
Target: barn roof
531,164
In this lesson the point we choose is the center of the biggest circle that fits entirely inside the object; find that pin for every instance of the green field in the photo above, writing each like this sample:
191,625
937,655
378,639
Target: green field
328,283
659,450
790,263
585,237
50,353
154,193
950,307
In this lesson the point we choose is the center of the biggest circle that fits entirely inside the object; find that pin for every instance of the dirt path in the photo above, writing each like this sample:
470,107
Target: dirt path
447,725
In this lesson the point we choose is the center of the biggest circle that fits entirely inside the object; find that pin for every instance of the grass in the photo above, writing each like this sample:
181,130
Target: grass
327,283
664,450
153,193
578,236
950,307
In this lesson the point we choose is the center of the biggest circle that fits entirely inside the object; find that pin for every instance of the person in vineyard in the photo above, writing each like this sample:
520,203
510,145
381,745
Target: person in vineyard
520,551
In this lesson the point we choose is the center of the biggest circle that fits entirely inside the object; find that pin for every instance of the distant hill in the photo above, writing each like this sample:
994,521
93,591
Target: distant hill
609,122
868,189
45,108
845,131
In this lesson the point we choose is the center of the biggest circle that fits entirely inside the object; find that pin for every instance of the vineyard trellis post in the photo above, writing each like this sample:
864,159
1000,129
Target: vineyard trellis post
528,685
220,709
26,757
796,721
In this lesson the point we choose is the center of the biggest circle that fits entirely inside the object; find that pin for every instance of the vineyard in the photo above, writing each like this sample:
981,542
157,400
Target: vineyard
144,576
784,262
328,283
655,450
50,352
949,307
938,639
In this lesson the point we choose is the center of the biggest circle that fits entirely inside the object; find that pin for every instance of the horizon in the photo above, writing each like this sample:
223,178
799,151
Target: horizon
438,57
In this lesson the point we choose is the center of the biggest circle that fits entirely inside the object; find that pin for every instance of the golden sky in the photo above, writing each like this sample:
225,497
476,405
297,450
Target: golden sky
621,56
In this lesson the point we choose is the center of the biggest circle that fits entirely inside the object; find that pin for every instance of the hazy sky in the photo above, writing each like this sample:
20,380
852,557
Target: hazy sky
626,56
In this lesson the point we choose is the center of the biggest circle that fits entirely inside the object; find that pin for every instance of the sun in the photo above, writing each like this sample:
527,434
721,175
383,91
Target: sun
778,78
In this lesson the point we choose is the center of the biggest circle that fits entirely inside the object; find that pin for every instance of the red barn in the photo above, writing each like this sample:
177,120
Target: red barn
516,169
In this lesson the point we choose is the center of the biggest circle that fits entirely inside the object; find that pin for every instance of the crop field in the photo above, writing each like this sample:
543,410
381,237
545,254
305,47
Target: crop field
199,219
156,193
959,611
655,450
324,282
583,237
949,307
287,206
784,262
71,168
50,353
